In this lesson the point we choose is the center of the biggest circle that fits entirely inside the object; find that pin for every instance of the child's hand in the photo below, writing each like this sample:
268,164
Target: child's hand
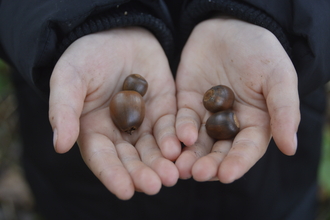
251,61
83,82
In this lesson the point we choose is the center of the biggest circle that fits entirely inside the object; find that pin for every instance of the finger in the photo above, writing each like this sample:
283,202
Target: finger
151,155
192,153
283,106
67,94
101,157
187,126
206,168
248,147
166,138
144,178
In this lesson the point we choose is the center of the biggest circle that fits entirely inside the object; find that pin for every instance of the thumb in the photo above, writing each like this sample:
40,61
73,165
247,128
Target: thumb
66,101
283,106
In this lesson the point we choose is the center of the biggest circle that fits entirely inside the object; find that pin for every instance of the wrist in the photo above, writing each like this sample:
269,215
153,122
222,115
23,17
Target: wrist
199,10
123,16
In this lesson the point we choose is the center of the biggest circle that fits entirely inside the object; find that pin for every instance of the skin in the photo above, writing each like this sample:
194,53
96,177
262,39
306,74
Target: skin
85,78
251,61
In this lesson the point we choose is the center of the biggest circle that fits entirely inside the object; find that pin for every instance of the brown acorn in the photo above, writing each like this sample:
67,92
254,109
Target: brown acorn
218,98
127,110
222,125
137,83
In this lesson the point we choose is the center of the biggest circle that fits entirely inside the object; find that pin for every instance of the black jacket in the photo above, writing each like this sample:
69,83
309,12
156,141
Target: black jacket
34,33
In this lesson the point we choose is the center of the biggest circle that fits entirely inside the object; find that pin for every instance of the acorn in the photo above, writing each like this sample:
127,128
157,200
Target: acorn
218,98
222,125
136,83
127,110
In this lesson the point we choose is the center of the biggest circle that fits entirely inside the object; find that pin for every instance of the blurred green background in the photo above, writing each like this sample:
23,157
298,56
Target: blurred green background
16,200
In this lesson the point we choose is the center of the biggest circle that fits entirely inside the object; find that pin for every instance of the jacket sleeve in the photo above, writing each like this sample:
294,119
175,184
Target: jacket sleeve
301,26
34,33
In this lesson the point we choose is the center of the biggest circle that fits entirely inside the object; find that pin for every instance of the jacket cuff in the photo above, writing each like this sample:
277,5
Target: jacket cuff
130,14
199,10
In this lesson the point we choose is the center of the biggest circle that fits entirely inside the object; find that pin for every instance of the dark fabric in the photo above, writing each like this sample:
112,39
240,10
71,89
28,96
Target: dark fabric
33,33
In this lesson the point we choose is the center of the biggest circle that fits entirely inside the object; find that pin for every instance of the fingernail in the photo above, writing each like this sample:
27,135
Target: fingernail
214,179
295,141
55,137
